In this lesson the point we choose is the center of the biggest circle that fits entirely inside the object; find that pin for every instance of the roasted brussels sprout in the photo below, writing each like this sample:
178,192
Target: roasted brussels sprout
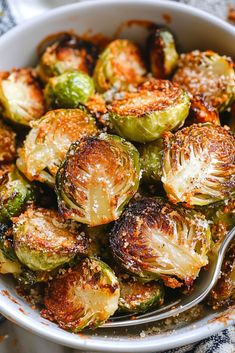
154,239
201,112
47,143
21,98
119,66
69,90
84,296
7,143
143,116
97,179
151,161
208,74
67,53
44,241
137,296
15,193
161,51
8,260
224,291
199,164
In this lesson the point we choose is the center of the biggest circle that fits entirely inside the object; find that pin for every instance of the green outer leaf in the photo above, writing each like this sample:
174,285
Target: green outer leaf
90,318
6,243
91,291
31,250
105,76
151,161
141,303
152,125
38,260
7,265
14,195
69,90
170,54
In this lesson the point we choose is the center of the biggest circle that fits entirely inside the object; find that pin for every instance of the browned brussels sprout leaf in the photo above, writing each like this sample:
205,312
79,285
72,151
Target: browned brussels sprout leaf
137,296
119,66
97,179
47,143
154,239
84,296
144,115
208,74
21,98
44,241
202,112
68,52
199,164
162,53
7,143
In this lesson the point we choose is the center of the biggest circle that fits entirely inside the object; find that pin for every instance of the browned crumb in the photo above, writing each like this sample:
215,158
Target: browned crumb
231,14
167,18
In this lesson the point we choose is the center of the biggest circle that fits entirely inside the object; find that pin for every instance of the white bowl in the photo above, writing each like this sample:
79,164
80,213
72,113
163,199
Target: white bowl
195,30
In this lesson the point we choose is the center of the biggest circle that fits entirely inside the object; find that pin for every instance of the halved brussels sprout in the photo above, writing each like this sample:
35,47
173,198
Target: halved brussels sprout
47,143
69,90
224,291
8,260
161,51
208,74
119,65
199,164
68,52
97,179
202,112
84,296
137,296
44,241
151,161
15,193
7,143
154,239
143,116
21,98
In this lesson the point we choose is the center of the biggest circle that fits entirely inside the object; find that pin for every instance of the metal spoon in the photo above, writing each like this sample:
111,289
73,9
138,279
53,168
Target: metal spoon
2,318
202,286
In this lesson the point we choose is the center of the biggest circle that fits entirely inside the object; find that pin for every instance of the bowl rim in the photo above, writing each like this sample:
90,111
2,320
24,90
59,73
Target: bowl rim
105,344
88,3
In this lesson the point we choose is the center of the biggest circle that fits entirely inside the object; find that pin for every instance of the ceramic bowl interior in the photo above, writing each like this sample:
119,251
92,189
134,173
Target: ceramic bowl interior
195,30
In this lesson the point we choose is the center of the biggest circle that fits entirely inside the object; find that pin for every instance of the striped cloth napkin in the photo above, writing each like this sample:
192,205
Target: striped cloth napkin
13,12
